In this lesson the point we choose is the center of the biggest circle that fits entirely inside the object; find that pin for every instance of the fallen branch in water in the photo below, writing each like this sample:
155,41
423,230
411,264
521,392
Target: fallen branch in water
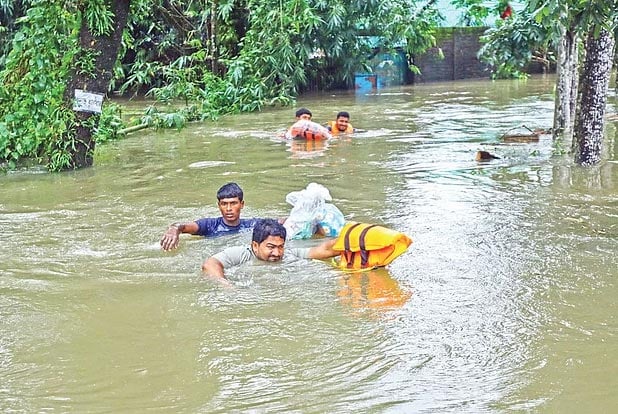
133,128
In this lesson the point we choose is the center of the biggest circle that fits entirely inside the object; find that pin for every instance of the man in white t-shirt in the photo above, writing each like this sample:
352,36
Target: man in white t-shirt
268,244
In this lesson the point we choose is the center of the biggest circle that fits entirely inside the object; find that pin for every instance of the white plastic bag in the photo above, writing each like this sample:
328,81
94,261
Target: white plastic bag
311,213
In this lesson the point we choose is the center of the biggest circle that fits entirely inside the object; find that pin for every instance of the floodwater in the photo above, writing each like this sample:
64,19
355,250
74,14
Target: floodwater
505,302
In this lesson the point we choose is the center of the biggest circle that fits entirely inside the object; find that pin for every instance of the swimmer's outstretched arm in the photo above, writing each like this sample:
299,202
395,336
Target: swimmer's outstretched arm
324,250
213,268
171,237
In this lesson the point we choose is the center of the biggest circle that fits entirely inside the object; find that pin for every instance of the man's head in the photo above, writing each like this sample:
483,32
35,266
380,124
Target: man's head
230,202
304,113
230,190
342,121
268,241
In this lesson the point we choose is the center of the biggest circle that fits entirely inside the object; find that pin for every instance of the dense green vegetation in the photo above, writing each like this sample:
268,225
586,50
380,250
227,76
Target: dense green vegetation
201,59
513,44
33,118
211,57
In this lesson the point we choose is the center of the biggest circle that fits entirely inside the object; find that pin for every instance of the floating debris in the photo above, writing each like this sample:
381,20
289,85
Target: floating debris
485,156
532,135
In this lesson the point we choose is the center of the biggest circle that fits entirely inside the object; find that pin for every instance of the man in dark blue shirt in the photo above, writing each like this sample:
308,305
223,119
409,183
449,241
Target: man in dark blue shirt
230,202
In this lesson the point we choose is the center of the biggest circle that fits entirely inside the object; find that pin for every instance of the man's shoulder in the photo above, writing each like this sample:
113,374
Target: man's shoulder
236,250
233,256
250,222
207,226
209,220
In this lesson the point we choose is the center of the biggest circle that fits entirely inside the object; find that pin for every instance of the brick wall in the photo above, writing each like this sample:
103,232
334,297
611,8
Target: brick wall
459,47
454,58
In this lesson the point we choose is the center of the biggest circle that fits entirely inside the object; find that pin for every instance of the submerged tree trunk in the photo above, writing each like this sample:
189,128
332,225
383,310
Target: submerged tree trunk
566,84
594,82
105,50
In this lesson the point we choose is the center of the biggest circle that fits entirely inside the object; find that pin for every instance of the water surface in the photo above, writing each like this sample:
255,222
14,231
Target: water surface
506,300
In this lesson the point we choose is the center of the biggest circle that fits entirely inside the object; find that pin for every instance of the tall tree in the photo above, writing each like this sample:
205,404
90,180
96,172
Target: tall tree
218,56
100,38
589,124
49,59
566,82
581,91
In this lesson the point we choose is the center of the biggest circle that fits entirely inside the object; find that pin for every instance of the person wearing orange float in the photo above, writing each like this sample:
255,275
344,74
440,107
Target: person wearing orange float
305,128
303,113
341,124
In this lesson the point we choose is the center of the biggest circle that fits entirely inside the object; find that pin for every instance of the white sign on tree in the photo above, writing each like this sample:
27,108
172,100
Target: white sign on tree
88,101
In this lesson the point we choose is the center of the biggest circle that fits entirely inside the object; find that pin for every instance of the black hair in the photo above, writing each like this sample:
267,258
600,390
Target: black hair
230,190
343,114
303,111
267,227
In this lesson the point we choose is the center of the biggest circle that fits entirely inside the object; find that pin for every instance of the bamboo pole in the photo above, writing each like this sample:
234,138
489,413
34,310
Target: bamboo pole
133,128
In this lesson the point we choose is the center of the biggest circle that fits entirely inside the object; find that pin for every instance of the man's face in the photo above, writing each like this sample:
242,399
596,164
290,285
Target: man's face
306,117
270,250
342,123
230,210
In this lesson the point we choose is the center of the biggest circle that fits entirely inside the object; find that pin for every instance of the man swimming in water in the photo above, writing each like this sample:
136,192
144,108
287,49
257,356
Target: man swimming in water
230,202
303,113
267,244
341,124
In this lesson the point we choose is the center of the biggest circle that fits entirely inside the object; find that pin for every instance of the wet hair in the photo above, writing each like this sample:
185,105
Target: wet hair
303,111
230,190
267,227
343,114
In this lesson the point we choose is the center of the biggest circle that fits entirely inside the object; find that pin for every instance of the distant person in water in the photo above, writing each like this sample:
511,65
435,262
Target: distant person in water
305,128
267,244
230,202
341,124
303,113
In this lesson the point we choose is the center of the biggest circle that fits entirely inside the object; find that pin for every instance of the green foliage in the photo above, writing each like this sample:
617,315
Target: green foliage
475,12
534,32
199,59
36,120
175,119
34,82
480,12
264,52
85,62
99,17
510,46
559,148
108,123
10,11
580,15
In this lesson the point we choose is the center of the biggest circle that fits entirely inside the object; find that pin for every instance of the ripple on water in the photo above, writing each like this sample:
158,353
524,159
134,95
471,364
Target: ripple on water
209,164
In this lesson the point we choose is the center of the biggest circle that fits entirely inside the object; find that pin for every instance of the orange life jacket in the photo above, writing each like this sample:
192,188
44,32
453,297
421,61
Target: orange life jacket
365,245
332,127
305,129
